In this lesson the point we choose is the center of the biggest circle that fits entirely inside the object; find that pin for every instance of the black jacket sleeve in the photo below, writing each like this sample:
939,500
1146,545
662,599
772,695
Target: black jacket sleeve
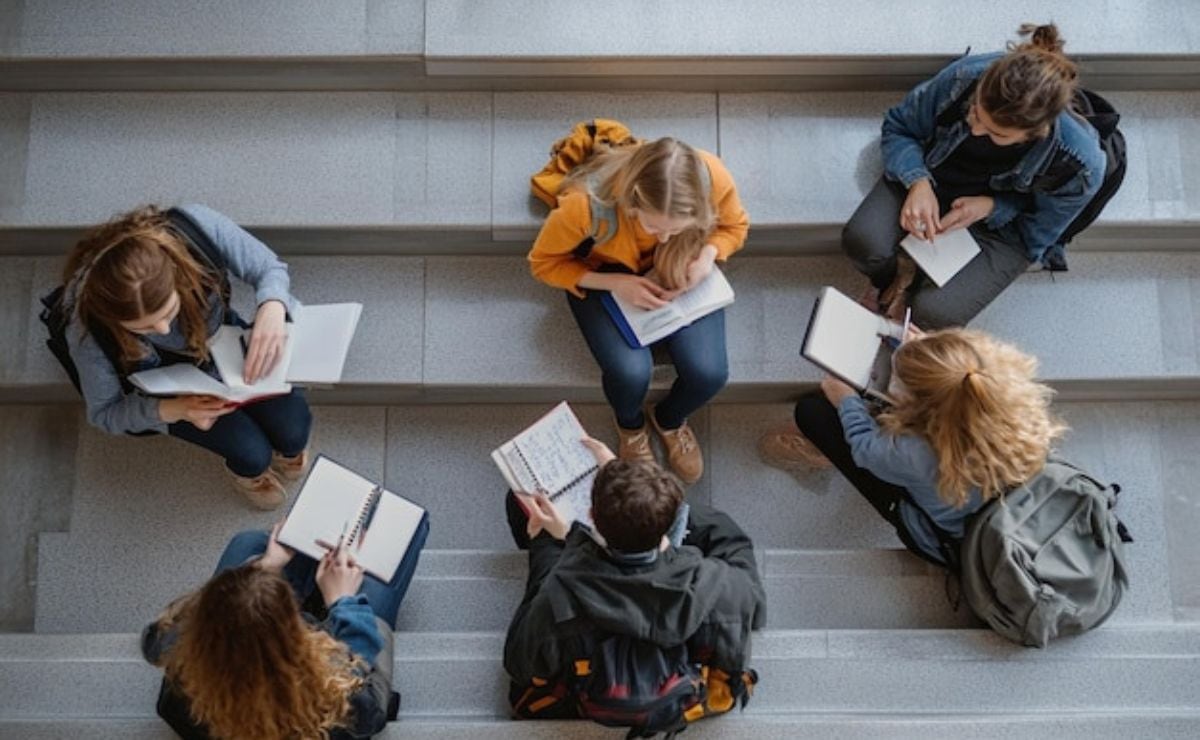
531,650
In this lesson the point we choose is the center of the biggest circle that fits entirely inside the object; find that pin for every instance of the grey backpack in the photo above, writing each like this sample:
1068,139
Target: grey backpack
1048,559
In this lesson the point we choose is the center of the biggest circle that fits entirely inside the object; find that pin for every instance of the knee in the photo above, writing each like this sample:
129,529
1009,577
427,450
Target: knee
630,373
248,543
811,412
249,459
857,241
709,375
930,312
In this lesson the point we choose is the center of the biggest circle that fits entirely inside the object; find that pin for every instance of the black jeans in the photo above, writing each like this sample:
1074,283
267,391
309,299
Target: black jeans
871,240
818,420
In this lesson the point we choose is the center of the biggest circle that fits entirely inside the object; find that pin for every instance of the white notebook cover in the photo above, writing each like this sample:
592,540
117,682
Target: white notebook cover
649,326
844,338
942,258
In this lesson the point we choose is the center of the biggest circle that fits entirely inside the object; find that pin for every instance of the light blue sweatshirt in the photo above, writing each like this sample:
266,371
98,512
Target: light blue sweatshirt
908,461
247,258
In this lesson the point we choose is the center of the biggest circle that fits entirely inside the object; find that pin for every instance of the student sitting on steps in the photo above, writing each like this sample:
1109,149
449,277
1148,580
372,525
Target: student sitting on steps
242,660
676,211
704,595
140,293
988,144
970,422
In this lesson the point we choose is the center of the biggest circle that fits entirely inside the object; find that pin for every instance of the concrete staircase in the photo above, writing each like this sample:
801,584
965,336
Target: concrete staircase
383,146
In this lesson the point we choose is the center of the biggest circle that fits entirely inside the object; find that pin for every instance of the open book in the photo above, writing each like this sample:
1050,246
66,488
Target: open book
642,327
942,258
315,352
550,457
852,343
376,525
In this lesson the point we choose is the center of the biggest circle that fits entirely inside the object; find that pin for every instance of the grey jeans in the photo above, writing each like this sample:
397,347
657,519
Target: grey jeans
871,240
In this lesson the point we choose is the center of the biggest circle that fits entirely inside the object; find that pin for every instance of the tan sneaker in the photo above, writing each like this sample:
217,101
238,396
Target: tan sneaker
634,445
263,492
289,469
683,450
784,447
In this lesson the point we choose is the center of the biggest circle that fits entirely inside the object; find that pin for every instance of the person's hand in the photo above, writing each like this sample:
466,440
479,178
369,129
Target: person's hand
599,451
641,292
545,516
276,555
199,411
913,333
701,267
835,390
338,574
966,211
266,341
919,215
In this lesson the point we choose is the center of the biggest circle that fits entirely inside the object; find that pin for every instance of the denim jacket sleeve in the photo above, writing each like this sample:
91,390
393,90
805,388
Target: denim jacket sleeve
1043,225
888,457
909,125
352,622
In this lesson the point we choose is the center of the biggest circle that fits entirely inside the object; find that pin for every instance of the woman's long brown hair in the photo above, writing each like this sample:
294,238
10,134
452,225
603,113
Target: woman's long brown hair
1032,84
251,667
127,269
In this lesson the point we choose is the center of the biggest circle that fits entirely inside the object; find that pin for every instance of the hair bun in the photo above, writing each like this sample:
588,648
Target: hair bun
1044,37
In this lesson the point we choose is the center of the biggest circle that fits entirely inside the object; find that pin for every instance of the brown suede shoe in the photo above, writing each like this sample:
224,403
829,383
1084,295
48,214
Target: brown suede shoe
634,445
683,450
263,492
894,300
784,447
289,469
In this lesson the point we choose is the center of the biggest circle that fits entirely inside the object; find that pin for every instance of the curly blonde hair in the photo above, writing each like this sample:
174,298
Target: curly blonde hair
976,401
663,176
251,667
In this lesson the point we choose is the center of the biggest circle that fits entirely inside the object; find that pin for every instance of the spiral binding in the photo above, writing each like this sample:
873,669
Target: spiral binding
556,494
368,502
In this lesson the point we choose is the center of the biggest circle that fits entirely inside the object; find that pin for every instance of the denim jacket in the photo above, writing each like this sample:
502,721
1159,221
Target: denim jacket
914,144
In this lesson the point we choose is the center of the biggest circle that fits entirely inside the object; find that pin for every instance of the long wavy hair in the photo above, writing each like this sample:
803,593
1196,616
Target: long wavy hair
251,667
1032,84
662,176
127,269
976,401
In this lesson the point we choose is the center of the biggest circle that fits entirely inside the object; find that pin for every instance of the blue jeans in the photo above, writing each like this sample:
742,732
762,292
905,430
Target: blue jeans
697,351
246,437
301,571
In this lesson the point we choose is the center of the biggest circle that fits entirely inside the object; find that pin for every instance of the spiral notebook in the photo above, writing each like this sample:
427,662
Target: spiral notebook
376,525
550,457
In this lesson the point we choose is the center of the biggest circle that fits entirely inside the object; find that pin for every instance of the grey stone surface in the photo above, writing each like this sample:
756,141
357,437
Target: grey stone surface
526,124
14,151
1180,440
37,444
16,279
1161,131
443,159
172,506
153,28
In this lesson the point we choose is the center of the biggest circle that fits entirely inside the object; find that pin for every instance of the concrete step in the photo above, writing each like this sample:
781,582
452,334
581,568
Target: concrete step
865,726
480,329
172,505
1143,670
398,44
447,172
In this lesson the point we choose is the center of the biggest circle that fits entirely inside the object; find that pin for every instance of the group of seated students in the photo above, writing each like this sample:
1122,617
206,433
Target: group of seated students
279,645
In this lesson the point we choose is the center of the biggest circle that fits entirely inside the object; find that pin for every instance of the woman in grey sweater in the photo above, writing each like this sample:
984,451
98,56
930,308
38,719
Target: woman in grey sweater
141,294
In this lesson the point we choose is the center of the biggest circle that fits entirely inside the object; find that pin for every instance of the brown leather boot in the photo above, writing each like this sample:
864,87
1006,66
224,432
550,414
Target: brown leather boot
289,469
784,447
683,450
634,445
262,492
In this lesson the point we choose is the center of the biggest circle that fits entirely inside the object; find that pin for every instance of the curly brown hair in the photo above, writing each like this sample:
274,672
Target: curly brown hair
634,504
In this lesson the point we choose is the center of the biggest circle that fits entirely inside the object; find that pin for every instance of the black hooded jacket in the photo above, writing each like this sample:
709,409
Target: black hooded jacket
706,593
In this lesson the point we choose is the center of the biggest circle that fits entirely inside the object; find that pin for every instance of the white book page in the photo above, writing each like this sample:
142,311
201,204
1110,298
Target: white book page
328,504
382,546
844,338
649,326
321,336
942,258
548,456
225,346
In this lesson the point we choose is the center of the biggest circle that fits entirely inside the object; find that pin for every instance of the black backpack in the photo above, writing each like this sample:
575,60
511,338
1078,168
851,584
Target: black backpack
1101,115
56,317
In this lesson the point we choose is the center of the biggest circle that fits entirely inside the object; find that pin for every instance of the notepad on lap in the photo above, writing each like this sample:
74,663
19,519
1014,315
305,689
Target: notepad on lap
550,457
642,327
379,524
942,258
850,342
183,379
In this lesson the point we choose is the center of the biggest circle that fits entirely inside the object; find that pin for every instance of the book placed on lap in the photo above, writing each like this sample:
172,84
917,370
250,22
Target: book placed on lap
850,342
942,258
550,457
641,327
377,525
315,352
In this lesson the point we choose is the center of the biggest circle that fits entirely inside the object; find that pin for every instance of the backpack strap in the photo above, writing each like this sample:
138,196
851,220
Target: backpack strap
199,244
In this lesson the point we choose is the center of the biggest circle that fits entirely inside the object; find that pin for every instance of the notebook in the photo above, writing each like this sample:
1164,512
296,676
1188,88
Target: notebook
379,525
550,457
642,327
315,352
942,258
852,343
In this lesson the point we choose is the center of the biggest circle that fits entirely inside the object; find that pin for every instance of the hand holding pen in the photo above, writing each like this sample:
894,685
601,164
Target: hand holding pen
338,574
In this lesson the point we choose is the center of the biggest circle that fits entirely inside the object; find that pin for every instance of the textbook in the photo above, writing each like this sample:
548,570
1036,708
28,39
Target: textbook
376,525
315,352
942,258
852,343
642,327
550,457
